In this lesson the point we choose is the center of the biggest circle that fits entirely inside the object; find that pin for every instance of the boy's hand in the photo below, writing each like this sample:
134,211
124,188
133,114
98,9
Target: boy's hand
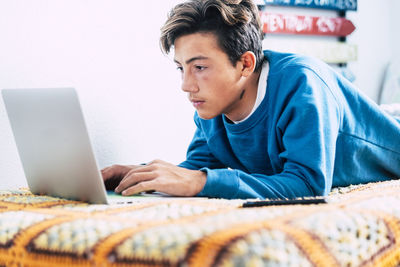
113,175
157,175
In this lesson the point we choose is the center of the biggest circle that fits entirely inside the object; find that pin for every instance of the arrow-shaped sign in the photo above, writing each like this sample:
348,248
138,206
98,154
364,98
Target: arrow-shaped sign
294,24
342,5
330,52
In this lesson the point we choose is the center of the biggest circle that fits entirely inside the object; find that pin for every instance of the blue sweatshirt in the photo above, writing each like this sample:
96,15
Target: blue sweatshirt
313,131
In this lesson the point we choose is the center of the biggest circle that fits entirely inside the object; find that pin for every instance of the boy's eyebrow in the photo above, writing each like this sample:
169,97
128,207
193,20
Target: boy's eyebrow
192,59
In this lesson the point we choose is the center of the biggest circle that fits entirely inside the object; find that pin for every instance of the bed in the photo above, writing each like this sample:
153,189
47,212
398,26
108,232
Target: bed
359,226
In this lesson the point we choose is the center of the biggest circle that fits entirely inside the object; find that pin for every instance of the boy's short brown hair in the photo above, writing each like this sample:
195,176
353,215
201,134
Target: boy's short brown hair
235,23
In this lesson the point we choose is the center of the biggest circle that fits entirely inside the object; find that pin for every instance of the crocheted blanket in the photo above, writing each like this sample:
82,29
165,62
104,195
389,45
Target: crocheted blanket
360,226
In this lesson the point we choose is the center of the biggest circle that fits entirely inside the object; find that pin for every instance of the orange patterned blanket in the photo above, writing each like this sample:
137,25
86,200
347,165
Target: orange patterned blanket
360,226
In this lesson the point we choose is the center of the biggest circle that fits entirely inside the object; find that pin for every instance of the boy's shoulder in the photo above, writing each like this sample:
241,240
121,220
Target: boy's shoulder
284,63
288,70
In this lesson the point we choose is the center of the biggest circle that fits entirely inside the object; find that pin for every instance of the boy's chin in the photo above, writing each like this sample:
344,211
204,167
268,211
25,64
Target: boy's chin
206,116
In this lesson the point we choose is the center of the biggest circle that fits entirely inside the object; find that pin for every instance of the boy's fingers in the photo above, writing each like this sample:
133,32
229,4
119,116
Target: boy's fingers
134,178
114,171
106,173
142,168
109,172
140,187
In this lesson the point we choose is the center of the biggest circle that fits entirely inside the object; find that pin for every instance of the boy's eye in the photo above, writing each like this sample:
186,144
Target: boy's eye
200,67
179,68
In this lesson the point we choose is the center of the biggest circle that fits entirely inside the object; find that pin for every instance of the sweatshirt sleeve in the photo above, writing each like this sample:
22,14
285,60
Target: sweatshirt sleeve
306,128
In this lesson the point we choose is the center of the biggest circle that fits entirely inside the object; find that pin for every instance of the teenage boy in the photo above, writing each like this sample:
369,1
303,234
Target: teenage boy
269,125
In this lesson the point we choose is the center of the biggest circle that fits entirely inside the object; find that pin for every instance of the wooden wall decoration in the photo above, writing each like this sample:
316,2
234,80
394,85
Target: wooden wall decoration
330,52
333,51
324,4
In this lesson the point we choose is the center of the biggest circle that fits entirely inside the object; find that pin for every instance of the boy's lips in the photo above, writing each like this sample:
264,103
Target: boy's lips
197,102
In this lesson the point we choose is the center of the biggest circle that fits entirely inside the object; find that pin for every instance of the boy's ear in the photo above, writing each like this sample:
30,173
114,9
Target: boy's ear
249,61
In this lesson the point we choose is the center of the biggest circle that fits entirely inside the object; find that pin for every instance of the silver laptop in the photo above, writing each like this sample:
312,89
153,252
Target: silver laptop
54,145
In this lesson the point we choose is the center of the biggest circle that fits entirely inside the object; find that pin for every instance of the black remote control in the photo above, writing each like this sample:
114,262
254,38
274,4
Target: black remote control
295,201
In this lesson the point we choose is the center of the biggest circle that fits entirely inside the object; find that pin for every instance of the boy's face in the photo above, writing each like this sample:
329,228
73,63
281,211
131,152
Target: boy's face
213,84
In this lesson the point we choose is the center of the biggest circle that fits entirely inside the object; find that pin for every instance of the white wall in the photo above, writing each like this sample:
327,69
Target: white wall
377,35
108,50
395,24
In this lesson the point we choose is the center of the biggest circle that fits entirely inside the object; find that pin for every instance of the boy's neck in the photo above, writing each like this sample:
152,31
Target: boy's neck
247,98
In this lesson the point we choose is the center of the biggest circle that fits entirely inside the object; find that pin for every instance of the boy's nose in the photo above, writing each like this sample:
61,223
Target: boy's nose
188,84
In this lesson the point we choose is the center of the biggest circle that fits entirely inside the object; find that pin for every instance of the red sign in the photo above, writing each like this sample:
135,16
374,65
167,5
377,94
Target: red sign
293,24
